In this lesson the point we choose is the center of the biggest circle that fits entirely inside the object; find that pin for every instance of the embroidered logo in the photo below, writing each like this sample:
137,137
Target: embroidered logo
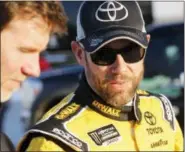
67,111
168,111
111,11
150,118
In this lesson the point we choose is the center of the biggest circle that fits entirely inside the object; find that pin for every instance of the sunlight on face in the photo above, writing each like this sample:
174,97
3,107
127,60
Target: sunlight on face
115,83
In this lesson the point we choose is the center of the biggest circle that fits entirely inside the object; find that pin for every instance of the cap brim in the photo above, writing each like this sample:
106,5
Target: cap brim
100,38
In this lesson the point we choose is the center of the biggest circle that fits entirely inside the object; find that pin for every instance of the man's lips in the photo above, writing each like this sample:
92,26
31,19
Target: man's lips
116,82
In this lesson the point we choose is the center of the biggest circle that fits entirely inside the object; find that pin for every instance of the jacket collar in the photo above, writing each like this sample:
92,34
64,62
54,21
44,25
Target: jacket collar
87,97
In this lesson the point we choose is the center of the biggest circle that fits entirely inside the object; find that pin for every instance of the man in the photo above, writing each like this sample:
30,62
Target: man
107,112
25,31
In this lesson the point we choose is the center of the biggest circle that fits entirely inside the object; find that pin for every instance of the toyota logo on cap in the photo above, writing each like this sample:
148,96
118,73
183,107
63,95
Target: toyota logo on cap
111,8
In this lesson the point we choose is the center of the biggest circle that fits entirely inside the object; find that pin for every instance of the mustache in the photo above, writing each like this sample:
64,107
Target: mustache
120,77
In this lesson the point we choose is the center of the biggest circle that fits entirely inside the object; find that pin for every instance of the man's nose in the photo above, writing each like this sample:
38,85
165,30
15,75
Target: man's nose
32,68
119,66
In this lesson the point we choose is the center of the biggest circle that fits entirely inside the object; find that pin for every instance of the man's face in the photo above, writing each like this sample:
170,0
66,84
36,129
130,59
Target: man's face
115,83
21,43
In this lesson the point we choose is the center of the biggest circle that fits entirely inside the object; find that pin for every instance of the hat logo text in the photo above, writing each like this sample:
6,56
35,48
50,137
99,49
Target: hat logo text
111,9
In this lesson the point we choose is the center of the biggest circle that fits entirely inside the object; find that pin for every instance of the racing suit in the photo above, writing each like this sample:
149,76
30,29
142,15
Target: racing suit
82,121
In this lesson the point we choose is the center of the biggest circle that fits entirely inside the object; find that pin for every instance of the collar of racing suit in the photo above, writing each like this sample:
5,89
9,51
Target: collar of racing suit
86,96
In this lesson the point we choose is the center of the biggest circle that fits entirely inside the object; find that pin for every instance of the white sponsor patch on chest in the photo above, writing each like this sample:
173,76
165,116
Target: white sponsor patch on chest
105,135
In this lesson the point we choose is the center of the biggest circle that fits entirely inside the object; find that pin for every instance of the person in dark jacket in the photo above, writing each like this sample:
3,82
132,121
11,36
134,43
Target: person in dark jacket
25,31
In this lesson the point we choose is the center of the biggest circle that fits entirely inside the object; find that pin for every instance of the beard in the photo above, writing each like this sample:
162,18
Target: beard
114,97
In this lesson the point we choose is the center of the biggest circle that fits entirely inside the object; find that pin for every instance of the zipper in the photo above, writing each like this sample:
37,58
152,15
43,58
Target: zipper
133,135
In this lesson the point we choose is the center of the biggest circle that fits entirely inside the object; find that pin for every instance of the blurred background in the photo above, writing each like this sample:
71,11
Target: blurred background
164,68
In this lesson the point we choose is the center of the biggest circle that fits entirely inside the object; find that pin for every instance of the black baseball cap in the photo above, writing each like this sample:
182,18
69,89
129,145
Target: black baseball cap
101,22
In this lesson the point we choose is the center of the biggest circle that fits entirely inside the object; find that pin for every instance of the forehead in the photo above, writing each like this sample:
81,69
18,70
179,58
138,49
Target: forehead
34,31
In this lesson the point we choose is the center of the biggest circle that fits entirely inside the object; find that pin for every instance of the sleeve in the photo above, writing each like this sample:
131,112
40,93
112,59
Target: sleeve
178,137
42,144
167,108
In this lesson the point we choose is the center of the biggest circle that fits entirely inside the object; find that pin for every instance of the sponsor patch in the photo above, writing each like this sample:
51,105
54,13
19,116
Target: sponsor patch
159,143
152,121
67,111
150,118
105,135
106,109
68,137
168,111
154,130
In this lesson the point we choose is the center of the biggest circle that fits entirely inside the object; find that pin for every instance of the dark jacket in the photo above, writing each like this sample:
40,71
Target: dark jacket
5,142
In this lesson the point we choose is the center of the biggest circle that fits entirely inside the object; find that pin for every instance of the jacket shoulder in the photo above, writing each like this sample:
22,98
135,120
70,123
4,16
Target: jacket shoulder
40,142
166,106
66,100
168,112
52,126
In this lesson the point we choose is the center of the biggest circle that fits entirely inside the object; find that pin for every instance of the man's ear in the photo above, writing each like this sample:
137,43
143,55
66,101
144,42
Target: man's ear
148,37
78,52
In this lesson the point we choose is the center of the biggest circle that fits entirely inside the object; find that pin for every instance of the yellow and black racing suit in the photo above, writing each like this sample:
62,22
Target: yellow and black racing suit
83,122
